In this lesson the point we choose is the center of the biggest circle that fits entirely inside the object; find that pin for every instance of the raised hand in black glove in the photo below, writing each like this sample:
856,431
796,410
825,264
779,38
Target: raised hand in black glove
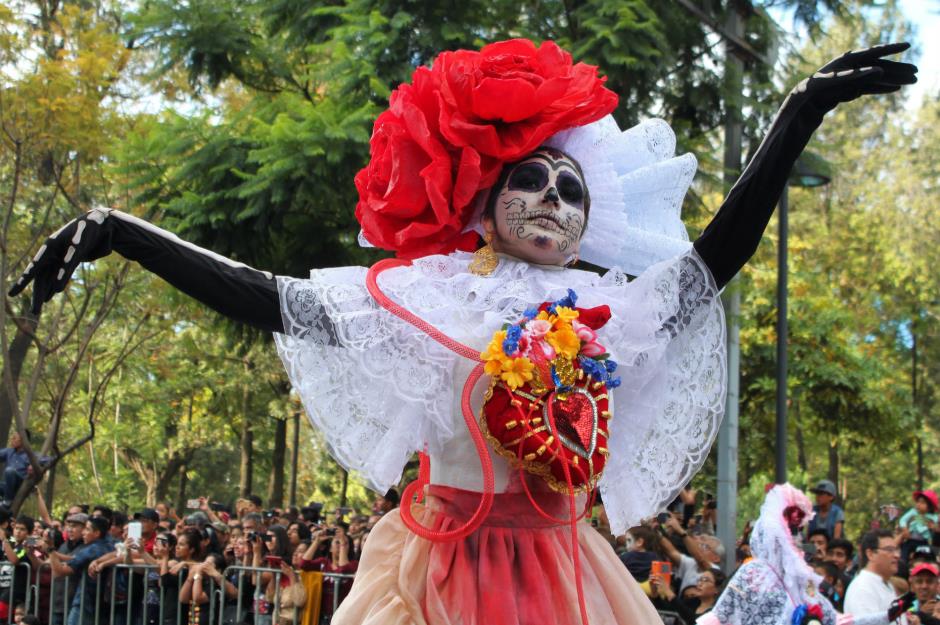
733,235
855,74
232,289
901,605
82,239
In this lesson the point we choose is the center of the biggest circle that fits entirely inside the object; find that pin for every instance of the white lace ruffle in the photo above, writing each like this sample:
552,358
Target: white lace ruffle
637,185
379,389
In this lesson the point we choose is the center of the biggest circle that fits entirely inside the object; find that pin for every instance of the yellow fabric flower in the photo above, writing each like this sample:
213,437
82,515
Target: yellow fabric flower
494,366
566,314
565,341
543,314
494,351
516,371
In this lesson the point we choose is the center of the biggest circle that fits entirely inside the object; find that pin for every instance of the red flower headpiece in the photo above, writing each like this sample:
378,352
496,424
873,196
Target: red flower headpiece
446,136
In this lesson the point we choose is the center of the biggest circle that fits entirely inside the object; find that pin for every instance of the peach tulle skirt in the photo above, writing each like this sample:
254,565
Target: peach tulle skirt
516,569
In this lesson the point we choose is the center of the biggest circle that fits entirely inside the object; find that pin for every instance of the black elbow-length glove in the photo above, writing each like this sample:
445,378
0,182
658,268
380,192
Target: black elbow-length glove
734,233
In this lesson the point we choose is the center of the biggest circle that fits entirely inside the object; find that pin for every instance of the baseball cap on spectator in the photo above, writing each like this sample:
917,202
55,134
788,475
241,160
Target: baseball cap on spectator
311,513
925,567
825,486
930,496
197,518
923,552
220,527
78,517
147,514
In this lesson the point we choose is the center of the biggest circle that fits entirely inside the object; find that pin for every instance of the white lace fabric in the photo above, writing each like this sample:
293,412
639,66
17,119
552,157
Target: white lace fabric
380,389
637,185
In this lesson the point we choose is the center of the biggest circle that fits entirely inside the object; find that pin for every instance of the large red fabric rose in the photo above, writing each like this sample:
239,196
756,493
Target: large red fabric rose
446,136
415,195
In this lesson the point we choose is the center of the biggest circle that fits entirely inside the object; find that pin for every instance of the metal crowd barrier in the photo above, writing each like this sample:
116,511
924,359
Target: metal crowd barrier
9,571
129,608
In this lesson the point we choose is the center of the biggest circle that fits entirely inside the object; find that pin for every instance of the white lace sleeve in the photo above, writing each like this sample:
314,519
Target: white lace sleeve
377,387
667,332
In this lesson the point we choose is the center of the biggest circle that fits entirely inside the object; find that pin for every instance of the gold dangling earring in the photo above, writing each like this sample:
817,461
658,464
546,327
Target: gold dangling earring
485,259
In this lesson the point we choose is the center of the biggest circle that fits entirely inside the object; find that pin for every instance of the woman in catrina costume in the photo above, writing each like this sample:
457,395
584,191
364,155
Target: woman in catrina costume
527,383
777,586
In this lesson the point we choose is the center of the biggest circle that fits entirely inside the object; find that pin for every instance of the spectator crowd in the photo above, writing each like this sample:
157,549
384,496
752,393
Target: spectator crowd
294,566
154,566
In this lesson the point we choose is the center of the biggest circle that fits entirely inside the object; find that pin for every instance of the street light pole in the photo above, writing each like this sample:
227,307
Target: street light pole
810,170
782,335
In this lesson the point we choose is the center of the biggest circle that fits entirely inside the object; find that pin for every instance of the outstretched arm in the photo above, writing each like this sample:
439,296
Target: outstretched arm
232,289
733,235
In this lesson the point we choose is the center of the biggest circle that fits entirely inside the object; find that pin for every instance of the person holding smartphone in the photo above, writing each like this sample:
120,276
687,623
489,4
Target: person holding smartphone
286,592
337,561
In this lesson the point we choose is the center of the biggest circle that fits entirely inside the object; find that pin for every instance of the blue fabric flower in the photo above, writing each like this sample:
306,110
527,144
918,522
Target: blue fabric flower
594,369
530,313
511,342
611,365
798,615
568,301
613,382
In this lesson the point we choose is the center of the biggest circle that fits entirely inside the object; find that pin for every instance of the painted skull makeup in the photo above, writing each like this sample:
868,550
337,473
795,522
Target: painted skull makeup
794,517
539,214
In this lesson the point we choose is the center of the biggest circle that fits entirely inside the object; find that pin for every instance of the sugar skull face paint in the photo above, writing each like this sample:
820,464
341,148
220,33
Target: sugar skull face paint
539,213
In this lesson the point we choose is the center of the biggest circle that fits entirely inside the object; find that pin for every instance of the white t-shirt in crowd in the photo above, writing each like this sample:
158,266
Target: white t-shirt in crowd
869,593
688,572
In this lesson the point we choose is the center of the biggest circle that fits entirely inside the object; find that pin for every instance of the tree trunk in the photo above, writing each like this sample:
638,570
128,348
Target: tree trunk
800,441
276,483
50,485
247,465
833,473
14,360
342,495
181,493
293,461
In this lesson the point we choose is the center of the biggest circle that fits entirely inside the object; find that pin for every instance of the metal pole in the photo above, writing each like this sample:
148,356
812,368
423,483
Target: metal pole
782,337
728,432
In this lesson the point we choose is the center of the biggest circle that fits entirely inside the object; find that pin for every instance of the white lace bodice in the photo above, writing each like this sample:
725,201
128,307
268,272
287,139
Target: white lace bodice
380,389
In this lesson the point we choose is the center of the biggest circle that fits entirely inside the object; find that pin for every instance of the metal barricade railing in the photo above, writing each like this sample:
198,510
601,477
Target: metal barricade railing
259,599
18,575
138,595
337,579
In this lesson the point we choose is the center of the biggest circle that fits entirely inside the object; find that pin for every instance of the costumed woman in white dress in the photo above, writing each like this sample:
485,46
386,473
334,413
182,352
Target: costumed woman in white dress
777,586
588,380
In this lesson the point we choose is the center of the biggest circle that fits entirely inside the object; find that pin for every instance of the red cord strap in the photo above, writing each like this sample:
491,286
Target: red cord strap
489,485
416,488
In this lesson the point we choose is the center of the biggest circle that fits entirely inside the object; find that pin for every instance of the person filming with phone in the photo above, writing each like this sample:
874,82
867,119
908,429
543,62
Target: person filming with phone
337,561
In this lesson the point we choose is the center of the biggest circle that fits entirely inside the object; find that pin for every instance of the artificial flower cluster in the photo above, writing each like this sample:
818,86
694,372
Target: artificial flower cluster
807,615
548,346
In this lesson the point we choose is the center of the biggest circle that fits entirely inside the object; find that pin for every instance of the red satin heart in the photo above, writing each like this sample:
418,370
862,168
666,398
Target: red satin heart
575,418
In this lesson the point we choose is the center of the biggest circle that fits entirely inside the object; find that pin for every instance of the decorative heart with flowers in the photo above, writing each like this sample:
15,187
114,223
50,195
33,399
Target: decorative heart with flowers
547,406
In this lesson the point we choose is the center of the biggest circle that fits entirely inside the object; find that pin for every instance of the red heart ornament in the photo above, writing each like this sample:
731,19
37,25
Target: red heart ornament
575,419
520,426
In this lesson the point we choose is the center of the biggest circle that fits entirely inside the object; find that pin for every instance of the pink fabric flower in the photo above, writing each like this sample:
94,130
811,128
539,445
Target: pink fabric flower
586,334
537,328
